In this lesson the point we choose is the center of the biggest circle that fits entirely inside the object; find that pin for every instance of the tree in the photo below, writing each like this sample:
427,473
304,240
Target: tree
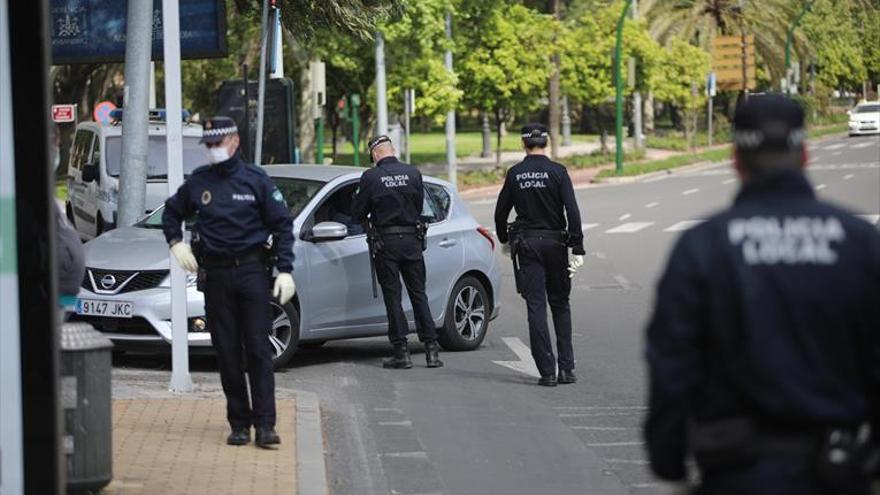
836,44
503,63
309,18
680,80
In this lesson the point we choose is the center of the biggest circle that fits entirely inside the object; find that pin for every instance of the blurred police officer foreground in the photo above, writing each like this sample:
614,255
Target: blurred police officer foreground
236,207
548,223
764,346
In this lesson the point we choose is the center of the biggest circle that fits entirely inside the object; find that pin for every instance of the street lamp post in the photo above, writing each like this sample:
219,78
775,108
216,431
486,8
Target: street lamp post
788,40
618,100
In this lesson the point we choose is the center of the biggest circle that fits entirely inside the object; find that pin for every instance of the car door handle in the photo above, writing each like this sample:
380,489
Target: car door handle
447,243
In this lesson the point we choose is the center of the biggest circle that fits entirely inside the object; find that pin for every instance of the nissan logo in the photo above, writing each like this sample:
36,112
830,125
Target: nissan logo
108,281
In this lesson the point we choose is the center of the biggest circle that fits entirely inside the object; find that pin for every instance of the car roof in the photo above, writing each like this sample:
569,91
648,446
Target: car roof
323,173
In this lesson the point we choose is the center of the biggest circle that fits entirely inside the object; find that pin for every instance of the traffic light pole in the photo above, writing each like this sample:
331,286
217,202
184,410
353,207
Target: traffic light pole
788,40
618,100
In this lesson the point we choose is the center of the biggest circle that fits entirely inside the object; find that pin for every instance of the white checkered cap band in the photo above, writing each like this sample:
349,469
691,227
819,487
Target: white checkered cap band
530,135
220,131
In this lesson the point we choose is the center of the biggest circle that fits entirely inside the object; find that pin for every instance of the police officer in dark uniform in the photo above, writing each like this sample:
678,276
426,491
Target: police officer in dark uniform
391,194
541,192
764,347
237,207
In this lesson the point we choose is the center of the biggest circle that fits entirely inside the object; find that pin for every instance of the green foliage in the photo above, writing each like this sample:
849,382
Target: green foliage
680,80
307,19
836,44
713,155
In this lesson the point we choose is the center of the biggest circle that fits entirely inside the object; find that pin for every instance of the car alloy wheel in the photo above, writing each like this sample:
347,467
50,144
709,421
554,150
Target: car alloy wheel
283,334
470,313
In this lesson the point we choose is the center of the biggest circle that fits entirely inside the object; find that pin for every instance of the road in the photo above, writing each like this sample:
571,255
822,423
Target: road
478,427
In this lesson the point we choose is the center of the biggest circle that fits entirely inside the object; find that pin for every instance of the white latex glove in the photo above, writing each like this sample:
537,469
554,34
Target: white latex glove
284,288
576,261
185,258
505,249
672,488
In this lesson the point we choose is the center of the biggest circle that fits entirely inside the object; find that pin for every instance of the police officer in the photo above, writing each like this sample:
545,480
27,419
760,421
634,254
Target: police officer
391,194
764,347
237,207
541,192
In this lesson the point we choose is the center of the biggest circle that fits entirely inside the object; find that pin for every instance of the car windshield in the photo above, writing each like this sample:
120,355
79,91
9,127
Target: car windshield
868,109
194,156
297,193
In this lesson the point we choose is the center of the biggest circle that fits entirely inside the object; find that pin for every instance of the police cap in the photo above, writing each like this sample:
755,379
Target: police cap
376,141
533,131
769,122
217,128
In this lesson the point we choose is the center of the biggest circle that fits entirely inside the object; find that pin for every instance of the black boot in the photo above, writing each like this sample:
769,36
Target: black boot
432,355
566,377
400,360
266,436
239,435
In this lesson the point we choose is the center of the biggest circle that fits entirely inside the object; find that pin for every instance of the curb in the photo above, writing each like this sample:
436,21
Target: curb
311,471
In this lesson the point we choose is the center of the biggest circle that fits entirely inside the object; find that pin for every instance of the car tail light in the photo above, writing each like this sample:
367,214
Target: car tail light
488,235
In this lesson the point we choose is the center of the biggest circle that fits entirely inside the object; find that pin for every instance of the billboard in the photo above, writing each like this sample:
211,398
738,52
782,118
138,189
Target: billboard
88,31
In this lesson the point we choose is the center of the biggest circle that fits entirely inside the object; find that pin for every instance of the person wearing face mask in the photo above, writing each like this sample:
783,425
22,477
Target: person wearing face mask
69,254
237,207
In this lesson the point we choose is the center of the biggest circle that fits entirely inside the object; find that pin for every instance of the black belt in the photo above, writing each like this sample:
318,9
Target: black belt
554,235
228,261
398,230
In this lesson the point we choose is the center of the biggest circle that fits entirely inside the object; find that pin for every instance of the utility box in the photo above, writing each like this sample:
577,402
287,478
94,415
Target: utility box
86,398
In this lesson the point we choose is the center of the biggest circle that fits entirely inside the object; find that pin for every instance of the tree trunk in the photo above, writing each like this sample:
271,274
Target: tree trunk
487,135
305,125
554,114
648,117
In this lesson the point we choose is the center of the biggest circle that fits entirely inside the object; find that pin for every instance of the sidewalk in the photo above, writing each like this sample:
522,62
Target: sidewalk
176,443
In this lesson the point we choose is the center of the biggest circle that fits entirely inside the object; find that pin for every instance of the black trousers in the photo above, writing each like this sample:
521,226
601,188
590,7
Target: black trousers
544,277
238,312
401,256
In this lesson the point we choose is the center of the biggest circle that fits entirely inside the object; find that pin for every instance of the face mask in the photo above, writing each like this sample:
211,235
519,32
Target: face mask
218,154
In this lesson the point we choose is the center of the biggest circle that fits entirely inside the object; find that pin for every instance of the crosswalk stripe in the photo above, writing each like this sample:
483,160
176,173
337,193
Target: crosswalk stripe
862,145
683,225
629,227
832,147
872,219
588,226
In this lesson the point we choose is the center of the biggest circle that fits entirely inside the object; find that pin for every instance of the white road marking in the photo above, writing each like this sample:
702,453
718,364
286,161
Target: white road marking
598,414
387,409
624,217
683,225
651,205
862,145
603,428
836,153
591,408
690,191
629,228
639,462
728,181
614,444
842,166
820,187
588,226
396,423
656,179
644,485
848,176
835,146
408,455
622,281
526,364
872,219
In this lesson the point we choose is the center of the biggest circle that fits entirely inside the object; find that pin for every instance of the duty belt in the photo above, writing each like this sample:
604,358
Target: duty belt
211,261
398,230
554,235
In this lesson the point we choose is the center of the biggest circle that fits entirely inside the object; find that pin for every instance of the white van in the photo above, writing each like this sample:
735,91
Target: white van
94,164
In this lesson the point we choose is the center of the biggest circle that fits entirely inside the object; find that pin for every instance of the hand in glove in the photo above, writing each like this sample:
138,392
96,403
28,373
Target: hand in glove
576,261
185,258
672,488
505,249
284,288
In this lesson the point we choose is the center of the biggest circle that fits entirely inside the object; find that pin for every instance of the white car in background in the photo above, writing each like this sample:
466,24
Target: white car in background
864,119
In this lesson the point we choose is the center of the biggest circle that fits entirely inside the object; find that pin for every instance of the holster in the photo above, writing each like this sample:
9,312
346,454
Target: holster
516,248
374,245
724,443
422,234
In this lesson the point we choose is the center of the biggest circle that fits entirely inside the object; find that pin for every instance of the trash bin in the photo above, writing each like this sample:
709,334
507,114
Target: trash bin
85,396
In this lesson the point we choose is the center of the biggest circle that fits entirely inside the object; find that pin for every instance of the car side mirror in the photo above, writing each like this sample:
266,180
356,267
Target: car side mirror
89,172
329,231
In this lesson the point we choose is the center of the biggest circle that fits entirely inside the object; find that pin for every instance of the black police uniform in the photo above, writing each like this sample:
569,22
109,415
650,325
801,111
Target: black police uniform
392,195
765,337
541,192
237,207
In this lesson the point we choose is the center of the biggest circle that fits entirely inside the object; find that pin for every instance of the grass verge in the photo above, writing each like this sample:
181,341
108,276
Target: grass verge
712,155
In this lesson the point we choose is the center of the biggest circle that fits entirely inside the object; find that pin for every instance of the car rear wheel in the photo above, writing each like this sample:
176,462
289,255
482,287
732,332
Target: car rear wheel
284,333
467,316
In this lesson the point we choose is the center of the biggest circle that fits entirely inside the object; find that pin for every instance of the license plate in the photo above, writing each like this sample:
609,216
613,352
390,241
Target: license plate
112,309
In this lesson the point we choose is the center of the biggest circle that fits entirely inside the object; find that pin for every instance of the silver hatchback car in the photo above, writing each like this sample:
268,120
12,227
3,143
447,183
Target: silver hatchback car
126,293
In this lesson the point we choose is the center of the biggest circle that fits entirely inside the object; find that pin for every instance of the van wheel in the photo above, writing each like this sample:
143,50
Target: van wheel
284,333
467,316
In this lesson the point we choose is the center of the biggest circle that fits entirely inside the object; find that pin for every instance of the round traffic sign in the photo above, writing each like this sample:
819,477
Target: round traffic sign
102,112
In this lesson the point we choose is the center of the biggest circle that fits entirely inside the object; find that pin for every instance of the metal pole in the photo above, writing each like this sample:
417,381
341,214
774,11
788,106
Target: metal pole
136,99
451,165
180,377
152,103
618,98
566,122
319,139
354,103
407,109
637,96
261,91
381,102
710,120
788,40
246,125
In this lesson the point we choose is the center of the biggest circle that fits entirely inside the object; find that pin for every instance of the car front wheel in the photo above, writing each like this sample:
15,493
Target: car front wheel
284,333
467,316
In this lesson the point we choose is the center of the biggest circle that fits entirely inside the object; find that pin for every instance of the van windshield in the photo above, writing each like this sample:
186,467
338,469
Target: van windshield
194,156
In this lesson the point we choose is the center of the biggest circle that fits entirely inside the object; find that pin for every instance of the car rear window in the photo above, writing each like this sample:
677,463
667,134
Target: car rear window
194,156
437,202
868,109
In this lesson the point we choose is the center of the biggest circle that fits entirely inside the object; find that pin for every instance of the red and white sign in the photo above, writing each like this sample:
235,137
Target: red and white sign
63,113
